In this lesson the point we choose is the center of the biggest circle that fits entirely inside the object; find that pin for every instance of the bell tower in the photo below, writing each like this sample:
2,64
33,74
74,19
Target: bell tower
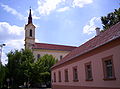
29,33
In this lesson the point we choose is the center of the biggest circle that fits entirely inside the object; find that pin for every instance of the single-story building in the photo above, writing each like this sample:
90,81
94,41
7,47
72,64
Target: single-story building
93,65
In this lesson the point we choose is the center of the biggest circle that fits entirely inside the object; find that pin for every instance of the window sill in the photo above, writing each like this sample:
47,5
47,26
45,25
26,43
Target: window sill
89,79
66,81
108,79
75,80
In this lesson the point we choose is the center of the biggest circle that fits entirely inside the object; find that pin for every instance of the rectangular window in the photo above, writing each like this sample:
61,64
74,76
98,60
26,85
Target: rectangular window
75,74
66,75
61,57
54,77
59,73
88,69
38,56
108,68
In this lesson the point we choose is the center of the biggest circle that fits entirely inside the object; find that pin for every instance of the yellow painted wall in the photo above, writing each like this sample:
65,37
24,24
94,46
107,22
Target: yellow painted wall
55,53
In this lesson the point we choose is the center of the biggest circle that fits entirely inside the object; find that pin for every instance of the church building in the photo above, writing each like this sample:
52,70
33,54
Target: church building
40,49
93,65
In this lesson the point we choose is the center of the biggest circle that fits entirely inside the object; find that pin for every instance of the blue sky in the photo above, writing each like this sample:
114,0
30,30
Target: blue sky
65,22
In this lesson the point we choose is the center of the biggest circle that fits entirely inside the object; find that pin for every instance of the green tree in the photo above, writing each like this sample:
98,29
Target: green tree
44,66
22,68
2,74
19,66
111,19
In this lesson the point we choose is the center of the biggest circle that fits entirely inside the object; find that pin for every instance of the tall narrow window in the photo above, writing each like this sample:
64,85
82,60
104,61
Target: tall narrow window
88,69
66,75
108,68
38,56
59,73
54,77
75,74
31,32
61,57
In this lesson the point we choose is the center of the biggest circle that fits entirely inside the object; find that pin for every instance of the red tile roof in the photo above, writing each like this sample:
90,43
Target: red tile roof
53,47
103,38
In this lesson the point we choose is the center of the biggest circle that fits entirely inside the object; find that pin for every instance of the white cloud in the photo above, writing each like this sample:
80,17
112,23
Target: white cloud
4,58
90,27
17,44
63,9
36,40
11,45
8,31
34,16
81,3
19,15
12,36
13,11
46,6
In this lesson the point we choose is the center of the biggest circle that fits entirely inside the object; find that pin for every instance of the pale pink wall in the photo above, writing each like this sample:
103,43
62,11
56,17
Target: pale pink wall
97,70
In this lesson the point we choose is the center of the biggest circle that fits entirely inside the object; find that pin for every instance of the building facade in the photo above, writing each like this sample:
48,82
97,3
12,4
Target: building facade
40,49
93,65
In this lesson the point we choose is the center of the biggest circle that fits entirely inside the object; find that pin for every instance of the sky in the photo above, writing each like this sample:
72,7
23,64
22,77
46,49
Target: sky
64,22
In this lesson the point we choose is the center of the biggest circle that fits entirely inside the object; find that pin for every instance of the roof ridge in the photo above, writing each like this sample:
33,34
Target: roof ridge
101,33
56,44
107,36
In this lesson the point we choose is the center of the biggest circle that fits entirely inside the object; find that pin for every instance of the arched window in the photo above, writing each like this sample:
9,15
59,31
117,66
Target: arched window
31,32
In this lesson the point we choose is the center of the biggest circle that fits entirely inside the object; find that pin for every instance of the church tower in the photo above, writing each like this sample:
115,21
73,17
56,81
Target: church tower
29,33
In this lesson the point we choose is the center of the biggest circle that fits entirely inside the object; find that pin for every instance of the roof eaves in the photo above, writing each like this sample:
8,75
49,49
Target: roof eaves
53,49
114,38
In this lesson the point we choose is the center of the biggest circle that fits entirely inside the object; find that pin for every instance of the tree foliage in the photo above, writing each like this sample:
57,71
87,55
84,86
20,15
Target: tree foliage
19,66
47,62
22,68
41,69
111,19
2,75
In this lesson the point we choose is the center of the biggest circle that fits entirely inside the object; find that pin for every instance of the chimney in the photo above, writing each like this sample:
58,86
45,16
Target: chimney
97,31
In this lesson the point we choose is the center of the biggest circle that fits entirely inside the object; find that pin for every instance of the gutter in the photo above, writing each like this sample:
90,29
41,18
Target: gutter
114,38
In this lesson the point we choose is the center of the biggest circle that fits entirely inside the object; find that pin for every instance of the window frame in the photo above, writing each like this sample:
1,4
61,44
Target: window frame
104,68
30,32
66,75
38,56
61,57
75,79
54,77
86,72
59,76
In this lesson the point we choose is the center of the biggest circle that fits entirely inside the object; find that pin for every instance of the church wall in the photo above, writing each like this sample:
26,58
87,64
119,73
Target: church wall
55,53
29,40
27,29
